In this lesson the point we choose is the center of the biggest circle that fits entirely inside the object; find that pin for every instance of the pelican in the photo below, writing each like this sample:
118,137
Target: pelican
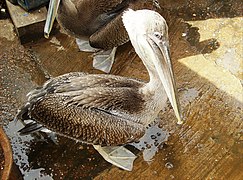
109,111
96,25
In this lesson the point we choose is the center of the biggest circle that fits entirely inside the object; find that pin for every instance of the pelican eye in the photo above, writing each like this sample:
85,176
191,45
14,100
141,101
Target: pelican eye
158,35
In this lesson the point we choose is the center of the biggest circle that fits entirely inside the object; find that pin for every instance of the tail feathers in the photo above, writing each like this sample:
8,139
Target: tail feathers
23,113
31,128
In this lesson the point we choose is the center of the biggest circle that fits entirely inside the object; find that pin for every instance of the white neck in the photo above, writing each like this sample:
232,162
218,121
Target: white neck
154,83
146,54
154,92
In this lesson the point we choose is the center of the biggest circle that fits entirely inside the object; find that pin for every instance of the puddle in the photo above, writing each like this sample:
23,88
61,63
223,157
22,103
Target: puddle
40,158
152,141
188,96
21,147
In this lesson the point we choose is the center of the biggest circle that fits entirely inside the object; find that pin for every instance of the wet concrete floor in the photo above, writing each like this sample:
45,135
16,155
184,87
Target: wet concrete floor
207,56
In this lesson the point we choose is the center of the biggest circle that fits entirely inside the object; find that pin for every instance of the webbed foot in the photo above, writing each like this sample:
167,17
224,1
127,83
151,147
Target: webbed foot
103,60
84,45
117,155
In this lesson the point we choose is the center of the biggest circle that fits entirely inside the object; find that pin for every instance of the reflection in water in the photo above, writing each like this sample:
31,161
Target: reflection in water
21,147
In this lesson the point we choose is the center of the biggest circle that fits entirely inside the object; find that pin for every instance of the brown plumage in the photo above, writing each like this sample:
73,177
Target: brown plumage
99,21
88,108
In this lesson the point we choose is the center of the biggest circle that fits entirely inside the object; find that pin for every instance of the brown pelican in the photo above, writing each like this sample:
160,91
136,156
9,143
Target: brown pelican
108,110
97,24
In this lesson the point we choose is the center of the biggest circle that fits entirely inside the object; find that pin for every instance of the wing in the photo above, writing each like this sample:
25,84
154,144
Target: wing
115,28
97,109
119,101
113,94
101,6
83,18
30,128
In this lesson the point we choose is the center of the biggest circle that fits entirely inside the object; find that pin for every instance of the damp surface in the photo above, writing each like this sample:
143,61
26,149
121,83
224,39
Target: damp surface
206,54
1,161
152,141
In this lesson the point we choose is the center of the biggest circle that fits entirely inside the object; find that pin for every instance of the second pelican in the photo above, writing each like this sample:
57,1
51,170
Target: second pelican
97,25
107,110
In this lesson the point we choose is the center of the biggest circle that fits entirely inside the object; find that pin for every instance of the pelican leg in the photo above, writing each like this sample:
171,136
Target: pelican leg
84,46
103,60
117,155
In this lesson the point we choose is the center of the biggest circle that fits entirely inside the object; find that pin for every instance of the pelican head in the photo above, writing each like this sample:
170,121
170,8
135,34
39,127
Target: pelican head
148,33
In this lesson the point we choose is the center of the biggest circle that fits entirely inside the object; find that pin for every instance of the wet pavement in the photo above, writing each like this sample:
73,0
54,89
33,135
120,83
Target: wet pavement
207,56
1,161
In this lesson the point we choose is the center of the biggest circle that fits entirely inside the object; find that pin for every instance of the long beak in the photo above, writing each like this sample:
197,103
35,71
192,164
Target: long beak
51,15
164,68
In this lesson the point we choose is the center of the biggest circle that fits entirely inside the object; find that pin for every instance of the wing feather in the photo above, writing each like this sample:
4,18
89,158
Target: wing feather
98,109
